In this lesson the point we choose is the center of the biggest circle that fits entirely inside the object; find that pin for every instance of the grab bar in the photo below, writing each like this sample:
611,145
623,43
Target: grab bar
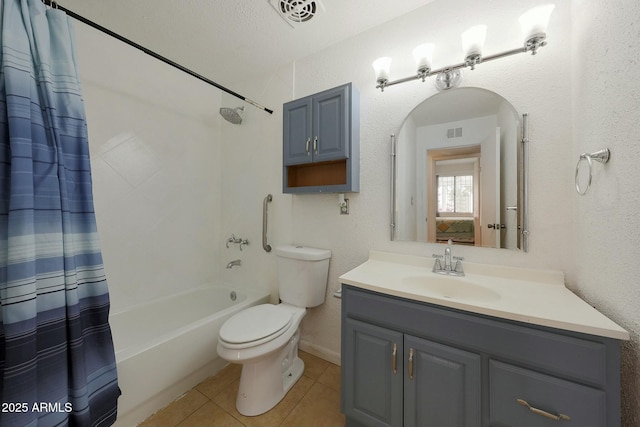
265,246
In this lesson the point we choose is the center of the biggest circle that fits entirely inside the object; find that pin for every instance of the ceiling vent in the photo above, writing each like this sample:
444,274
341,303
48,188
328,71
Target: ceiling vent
454,133
296,12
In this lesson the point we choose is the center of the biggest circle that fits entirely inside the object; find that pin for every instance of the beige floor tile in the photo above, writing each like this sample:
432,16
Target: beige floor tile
313,401
172,415
320,407
214,385
210,415
313,365
331,377
272,418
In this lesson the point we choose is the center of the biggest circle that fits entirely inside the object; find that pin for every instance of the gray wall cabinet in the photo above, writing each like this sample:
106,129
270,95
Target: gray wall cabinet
409,363
321,142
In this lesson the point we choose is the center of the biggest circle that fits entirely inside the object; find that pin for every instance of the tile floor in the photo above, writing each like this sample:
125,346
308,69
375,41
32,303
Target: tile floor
314,401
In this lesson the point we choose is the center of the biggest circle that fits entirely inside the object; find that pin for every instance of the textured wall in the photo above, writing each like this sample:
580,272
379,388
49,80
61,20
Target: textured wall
606,99
539,85
204,179
154,141
251,169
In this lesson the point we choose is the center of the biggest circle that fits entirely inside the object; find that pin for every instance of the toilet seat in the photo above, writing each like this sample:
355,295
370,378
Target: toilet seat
254,326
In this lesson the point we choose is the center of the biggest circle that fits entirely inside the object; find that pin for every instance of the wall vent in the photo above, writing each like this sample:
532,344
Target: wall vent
454,133
296,12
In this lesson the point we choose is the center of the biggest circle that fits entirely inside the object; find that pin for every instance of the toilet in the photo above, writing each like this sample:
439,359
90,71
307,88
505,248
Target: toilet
264,338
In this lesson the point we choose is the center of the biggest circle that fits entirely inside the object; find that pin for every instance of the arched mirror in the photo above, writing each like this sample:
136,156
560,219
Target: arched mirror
457,171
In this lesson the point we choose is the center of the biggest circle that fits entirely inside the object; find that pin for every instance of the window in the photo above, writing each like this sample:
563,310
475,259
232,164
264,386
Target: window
455,195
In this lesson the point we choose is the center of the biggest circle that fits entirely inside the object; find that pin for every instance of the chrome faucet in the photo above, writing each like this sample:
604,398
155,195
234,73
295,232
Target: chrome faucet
448,269
234,262
447,257
238,240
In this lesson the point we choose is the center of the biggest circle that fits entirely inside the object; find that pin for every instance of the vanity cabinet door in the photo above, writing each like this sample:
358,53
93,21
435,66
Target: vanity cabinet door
372,374
524,398
441,386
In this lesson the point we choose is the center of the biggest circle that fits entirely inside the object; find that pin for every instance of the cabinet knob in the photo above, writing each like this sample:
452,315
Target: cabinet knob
307,146
315,145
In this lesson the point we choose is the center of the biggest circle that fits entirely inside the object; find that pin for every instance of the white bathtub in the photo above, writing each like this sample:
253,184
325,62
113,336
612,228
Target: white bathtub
167,346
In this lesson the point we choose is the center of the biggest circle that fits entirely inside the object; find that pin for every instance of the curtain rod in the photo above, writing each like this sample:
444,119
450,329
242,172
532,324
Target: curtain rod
99,27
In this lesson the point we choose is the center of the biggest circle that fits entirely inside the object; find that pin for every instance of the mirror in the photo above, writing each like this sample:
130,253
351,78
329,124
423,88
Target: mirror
457,171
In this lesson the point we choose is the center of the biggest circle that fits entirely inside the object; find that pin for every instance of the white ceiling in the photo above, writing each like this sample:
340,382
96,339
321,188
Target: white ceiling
230,40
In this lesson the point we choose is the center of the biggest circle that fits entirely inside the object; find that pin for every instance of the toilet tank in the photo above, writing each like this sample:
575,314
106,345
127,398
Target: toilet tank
302,274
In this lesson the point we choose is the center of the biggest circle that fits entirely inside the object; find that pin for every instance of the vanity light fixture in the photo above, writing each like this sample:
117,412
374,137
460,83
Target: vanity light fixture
534,31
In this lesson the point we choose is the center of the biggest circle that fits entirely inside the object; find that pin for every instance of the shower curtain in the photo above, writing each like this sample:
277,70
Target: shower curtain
57,362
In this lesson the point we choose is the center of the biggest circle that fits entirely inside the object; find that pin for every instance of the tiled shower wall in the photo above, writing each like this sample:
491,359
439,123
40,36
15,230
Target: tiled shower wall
154,136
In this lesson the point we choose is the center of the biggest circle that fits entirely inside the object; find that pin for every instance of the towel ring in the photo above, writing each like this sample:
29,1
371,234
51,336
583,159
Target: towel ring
601,156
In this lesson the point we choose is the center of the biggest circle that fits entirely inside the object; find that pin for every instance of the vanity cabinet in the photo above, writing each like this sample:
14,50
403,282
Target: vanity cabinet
410,363
374,394
384,389
321,137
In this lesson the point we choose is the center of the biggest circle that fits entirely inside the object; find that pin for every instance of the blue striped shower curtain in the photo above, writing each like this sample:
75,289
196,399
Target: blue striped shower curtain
57,362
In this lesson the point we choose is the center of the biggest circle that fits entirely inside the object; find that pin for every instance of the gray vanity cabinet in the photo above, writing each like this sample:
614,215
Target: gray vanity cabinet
456,402
408,363
374,388
389,380
321,136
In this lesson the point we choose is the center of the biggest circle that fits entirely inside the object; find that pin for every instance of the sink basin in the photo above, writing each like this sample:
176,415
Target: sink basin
455,288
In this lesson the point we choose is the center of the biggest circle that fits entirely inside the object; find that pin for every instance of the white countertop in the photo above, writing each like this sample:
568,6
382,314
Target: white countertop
537,297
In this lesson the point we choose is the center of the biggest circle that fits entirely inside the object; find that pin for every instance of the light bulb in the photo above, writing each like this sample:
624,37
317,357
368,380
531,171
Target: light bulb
382,67
534,22
473,40
423,55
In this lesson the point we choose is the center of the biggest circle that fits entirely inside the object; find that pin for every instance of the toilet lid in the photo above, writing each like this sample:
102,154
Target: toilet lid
255,323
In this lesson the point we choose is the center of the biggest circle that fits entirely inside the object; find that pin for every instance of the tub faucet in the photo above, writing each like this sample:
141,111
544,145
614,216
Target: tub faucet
239,240
447,269
234,262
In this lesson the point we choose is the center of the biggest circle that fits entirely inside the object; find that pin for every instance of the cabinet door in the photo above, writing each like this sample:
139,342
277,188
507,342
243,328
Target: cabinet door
297,131
331,136
442,385
371,387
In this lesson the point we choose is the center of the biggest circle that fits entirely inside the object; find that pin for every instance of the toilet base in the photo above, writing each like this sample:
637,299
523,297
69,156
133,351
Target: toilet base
265,382
292,376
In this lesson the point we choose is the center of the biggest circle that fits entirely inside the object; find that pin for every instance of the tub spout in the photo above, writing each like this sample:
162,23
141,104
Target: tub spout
234,262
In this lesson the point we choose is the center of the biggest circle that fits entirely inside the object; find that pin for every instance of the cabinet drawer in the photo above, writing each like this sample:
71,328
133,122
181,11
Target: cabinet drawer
508,384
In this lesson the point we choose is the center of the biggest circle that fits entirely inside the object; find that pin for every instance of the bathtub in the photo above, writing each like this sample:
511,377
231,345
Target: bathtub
167,346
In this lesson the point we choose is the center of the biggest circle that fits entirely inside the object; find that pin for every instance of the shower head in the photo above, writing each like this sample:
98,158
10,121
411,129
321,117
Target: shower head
232,115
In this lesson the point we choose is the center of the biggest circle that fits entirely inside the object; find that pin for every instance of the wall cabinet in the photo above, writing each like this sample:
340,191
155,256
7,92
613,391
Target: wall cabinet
408,363
321,142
